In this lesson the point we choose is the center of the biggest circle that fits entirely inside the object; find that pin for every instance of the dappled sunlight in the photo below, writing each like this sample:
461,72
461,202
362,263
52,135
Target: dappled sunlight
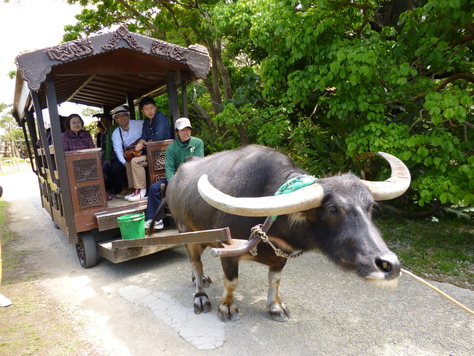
78,286
11,180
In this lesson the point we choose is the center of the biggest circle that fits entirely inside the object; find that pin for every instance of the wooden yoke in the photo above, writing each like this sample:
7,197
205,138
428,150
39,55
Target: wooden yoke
239,247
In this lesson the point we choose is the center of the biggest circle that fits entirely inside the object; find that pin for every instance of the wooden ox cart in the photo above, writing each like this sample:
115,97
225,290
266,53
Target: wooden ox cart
104,71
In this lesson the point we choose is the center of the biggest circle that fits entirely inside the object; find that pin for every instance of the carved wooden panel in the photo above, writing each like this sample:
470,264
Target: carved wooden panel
158,177
89,196
85,169
86,187
70,50
123,33
168,50
156,160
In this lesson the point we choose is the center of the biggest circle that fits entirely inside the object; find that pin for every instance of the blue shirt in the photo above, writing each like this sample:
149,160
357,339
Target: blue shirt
158,129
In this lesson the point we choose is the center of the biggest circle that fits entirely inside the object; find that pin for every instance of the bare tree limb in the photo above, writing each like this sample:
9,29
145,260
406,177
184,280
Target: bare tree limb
136,13
421,214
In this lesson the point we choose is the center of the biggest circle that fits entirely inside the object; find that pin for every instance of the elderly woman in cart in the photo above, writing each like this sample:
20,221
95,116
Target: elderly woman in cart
75,138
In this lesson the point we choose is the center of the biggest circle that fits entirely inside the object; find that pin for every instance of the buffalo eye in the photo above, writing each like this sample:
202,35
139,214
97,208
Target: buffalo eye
333,210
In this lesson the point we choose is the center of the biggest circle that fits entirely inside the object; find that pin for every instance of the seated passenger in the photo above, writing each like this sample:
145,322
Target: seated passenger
114,171
75,138
126,134
110,176
156,127
176,153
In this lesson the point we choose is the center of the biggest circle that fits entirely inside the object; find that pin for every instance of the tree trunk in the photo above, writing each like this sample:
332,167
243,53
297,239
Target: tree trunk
218,65
223,71
203,114
213,86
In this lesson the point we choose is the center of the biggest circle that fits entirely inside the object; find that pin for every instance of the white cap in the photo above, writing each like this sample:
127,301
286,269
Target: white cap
119,110
181,123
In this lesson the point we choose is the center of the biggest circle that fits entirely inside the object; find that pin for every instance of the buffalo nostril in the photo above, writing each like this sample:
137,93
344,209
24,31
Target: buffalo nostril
389,264
384,265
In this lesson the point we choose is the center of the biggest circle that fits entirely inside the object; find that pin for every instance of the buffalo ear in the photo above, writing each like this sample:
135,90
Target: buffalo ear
307,216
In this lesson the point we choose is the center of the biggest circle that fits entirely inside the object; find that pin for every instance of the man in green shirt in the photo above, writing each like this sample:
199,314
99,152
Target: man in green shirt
176,153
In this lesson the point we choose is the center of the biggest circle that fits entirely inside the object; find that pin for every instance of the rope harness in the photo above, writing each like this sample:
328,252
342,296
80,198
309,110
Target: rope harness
258,231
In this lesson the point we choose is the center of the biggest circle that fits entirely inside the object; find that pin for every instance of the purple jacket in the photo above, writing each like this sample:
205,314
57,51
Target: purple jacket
73,142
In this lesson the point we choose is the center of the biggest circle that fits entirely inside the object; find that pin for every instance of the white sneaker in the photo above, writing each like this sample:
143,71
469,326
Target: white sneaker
5,302
126,197
157,226
139,195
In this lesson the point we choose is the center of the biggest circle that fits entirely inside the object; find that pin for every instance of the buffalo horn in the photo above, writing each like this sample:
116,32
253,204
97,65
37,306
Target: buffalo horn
394,186
302,199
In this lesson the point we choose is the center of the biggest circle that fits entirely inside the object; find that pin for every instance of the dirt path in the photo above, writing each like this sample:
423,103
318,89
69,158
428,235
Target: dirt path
144,306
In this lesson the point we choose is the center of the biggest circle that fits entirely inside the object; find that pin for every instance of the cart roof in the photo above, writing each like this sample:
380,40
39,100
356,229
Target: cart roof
102,70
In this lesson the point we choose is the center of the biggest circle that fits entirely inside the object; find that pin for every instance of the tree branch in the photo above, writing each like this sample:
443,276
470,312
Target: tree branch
467,76
421,214
465,38
136,13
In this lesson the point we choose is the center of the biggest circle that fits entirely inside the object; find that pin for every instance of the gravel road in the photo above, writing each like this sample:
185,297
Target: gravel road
144,306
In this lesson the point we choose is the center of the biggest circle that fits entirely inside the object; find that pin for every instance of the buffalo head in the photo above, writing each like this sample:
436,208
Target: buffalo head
333,215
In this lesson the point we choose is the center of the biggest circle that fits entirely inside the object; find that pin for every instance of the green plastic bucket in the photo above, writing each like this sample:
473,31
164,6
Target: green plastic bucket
132,226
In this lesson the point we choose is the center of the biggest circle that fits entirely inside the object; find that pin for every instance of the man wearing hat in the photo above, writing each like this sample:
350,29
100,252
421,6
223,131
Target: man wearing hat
127,134
176,153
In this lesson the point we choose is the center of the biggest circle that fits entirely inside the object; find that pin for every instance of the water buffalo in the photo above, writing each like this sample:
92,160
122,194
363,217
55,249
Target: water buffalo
237,190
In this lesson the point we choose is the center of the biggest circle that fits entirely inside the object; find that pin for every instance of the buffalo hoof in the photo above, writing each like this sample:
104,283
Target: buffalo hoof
279,312
201,303
228,312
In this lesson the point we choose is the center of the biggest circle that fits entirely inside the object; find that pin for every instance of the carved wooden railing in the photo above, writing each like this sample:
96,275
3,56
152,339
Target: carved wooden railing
156,160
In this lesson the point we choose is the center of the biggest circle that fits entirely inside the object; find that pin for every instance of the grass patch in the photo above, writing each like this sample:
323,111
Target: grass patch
13,259
36,323
442,251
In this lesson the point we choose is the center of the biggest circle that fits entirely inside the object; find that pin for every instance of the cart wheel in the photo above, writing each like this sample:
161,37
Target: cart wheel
86,250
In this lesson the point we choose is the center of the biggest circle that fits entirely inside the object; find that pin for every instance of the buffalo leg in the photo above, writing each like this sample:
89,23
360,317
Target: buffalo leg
201,300
278,311
227,308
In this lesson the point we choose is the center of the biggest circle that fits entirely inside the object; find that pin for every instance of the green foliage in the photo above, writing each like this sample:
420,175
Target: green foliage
329,81
269,125
405,90
11,131
437,250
